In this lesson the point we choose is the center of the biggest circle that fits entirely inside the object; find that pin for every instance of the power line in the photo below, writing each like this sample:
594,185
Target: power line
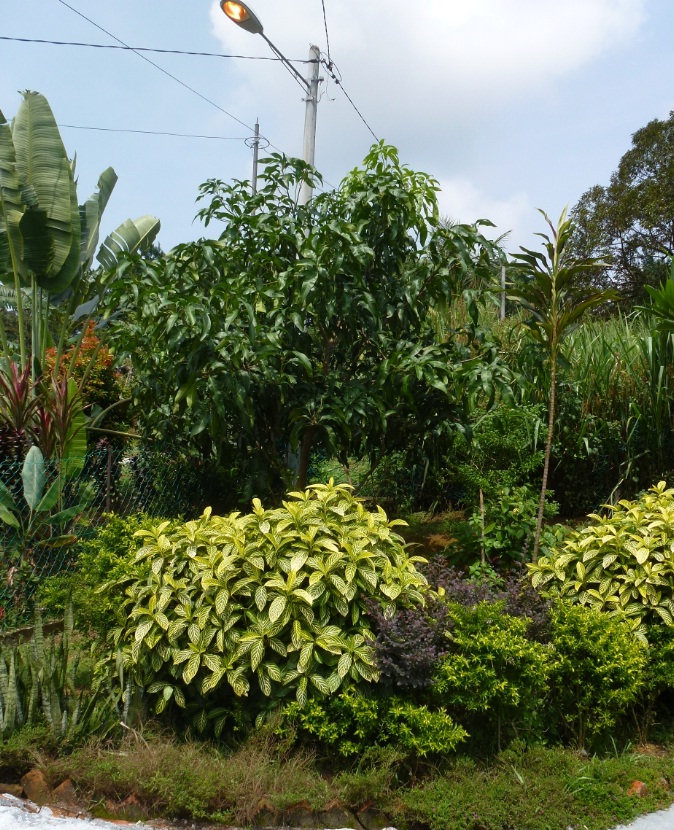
146,49
331,67
327,36
152,132
187,86
156,66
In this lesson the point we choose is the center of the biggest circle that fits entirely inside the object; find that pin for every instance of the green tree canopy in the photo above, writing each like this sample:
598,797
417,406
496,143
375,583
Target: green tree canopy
306,327
630,223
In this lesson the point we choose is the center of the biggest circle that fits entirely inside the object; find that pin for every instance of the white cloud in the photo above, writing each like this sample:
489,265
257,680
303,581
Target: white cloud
462,201
444,53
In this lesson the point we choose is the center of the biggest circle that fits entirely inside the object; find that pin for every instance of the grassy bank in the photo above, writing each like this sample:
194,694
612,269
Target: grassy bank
263,782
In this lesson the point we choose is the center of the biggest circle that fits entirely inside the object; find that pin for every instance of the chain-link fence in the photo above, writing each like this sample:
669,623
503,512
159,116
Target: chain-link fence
40,531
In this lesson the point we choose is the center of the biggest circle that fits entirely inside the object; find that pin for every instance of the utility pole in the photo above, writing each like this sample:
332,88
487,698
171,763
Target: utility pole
256,150
311,112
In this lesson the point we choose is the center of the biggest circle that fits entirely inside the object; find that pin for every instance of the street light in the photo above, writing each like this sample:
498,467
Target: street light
245,17
242,16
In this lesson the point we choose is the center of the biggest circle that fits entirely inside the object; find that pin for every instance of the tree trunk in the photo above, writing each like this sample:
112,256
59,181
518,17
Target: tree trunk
546,464
305,458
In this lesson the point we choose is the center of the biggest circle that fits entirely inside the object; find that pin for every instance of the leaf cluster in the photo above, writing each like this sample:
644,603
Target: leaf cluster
352,723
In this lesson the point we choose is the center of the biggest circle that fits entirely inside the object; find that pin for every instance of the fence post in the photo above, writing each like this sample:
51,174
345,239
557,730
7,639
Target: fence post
108,482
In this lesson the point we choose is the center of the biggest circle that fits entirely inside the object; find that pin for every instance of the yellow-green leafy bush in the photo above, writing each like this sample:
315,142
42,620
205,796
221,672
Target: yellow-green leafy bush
621,563
271,602
351,723
597,670
493,678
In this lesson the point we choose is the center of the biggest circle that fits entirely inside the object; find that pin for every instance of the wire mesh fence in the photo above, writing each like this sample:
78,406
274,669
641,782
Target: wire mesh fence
40,537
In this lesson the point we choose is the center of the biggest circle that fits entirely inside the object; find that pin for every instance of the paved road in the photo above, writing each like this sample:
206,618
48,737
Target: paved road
663,820
17,817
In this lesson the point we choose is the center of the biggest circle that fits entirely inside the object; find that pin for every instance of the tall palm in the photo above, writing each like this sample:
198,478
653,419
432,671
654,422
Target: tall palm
547,289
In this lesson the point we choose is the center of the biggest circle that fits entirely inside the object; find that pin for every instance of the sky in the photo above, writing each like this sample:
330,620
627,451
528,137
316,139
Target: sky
512,105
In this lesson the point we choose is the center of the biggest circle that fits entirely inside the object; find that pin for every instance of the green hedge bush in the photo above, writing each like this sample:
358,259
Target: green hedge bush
351,723
495,678
109,555
597,670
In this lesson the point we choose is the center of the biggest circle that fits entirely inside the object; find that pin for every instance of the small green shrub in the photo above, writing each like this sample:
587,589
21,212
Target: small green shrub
621,563
494,677
271,602
350,723
658,678
109,555
597,670
509,524
505,452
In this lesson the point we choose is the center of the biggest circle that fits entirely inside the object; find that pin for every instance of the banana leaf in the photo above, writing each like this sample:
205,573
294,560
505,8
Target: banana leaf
127,238
42,162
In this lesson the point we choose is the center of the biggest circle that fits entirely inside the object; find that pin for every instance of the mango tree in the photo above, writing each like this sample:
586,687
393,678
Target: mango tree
305,327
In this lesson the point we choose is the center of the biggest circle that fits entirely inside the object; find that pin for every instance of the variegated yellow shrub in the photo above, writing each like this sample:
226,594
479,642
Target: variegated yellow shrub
622,563
260,605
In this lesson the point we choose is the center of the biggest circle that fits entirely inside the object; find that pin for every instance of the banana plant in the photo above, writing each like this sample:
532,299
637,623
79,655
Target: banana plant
48,241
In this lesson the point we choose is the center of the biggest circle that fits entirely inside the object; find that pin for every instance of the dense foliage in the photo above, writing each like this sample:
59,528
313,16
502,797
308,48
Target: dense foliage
308,328
630,222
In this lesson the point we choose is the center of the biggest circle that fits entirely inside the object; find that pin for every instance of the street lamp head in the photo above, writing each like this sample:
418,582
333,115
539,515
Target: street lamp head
242,15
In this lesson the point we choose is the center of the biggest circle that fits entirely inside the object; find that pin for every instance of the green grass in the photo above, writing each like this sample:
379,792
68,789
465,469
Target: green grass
528,789
538,789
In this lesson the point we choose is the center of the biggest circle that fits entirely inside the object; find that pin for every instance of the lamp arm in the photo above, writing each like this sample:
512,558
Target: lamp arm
298,76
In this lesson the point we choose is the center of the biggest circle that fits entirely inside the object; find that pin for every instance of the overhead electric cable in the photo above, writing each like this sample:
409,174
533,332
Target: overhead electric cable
153,132
331,67
187,86
327,36
156,66
147,49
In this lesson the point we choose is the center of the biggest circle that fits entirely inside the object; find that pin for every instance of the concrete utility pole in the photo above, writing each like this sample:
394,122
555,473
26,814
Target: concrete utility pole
311,113
502,315
256,152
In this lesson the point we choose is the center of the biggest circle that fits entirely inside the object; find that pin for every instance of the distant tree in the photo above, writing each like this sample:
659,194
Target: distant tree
305,326
630,224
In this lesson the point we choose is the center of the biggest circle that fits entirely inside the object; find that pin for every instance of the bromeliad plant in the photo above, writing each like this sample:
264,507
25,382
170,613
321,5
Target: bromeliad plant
622,563
271,601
